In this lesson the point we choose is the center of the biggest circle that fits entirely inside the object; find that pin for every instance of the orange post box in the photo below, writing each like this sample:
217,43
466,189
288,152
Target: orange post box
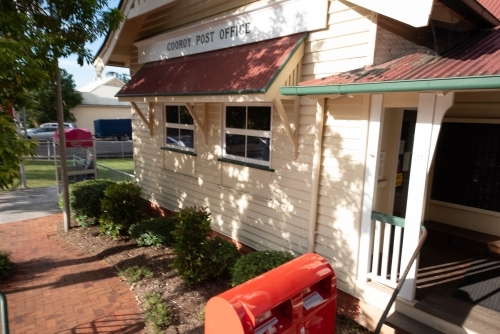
297,297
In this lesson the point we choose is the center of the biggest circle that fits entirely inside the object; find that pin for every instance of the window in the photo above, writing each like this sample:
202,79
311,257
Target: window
247,134
180,128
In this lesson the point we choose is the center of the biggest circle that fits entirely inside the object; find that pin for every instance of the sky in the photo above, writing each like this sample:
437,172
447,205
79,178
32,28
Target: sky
83,75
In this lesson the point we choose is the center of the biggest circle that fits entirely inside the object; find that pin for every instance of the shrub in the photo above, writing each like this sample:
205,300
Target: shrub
85,201
220,257
257,263
122,207
192,228
157,313
153,232
7,268
134,274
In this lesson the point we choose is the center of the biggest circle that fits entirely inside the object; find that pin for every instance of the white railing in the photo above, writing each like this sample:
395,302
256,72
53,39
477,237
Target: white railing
386,248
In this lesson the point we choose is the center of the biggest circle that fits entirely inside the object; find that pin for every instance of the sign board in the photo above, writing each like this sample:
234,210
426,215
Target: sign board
399,179
413,12
256,23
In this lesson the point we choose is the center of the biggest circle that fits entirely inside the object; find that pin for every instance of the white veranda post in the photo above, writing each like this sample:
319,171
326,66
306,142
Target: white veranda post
431,109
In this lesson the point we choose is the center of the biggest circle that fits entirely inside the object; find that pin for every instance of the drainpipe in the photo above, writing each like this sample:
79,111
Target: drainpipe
316,168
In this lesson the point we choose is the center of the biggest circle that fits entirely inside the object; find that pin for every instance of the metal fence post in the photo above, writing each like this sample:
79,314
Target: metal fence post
5,318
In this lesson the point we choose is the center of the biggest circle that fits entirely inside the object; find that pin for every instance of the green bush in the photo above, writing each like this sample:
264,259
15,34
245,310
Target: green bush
157,313
192,228
85,201
7,268
257,263
153,232
220,257
122,206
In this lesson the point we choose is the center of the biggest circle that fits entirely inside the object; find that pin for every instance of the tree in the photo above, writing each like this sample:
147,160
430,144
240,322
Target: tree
123,77
44,109
39,32
12,149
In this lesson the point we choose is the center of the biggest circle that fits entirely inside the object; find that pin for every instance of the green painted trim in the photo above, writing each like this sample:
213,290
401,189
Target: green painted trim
178,151
382,217
246,164
228,92
444,84
290,55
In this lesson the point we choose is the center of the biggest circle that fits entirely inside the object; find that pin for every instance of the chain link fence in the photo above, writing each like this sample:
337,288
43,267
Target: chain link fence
114,162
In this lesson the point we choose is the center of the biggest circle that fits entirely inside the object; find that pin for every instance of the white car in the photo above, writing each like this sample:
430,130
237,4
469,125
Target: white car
42,134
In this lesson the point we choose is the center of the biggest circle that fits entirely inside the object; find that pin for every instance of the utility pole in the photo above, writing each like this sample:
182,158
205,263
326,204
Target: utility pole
62,147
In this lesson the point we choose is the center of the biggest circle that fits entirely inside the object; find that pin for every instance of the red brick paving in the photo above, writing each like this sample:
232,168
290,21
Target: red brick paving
59,289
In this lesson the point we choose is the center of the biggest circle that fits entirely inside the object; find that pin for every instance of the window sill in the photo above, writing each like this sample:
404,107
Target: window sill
178,151
246,164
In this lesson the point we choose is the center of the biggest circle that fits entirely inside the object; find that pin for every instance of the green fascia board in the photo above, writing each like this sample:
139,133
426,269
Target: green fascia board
440,84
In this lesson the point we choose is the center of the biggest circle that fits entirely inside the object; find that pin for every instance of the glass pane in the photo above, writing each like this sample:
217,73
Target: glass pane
236,117
187,138
235,145
258,148
172,136
172,114
186,117
259,118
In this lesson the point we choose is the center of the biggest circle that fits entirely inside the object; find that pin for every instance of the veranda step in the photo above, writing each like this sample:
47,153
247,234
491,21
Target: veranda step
406,325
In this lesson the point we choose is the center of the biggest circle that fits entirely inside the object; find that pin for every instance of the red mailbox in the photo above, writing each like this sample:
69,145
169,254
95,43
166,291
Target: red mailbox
297,297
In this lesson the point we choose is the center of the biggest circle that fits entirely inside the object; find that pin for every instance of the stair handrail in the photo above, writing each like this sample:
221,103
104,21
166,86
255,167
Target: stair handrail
5,318
402,278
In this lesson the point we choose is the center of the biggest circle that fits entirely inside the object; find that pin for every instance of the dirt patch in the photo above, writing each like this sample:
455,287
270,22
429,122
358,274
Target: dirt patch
186,304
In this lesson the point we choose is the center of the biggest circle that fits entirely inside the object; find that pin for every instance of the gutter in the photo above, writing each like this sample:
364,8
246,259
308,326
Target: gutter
439,84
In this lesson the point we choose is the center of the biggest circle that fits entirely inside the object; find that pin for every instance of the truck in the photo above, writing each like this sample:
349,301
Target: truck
116,128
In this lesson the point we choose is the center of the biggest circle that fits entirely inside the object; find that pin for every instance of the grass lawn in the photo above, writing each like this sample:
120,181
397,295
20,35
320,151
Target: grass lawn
40,173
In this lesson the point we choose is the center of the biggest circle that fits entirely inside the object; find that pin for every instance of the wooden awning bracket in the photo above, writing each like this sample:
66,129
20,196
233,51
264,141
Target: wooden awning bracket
291,133
203,127
149,123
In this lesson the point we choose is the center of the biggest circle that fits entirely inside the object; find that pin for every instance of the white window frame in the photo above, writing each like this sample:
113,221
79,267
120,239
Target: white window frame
176,126
245,132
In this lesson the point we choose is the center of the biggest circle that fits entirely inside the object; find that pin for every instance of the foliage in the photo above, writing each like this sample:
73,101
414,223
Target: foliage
192,228
12,149
120,76
157,313
44,109
7,268
153,232
122,207
220,257
254,264
85,201
134,274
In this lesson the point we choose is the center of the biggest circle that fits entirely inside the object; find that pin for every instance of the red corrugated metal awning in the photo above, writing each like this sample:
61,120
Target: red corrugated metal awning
493,6
478,56
249,68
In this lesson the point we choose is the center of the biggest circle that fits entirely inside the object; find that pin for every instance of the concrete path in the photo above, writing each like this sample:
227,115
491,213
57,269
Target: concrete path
59,289
21,204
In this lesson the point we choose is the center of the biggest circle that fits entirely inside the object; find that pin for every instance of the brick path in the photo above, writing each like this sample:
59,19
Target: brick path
59,289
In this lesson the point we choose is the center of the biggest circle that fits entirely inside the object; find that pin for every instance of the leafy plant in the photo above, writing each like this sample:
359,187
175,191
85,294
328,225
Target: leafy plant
220,257
85,201
257,263
157,313
134,274
192,228
153,232
7,268
122,207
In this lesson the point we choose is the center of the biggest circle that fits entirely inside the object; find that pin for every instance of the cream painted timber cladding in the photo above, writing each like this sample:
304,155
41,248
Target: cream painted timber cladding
346,44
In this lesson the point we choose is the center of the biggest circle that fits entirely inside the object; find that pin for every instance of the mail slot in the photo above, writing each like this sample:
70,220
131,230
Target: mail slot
297,297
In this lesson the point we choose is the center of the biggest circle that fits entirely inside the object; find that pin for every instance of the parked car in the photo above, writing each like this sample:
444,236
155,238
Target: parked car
54,125
42,134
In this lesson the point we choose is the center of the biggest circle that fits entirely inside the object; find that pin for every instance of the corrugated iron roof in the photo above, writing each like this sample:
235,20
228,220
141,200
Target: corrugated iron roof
493,6
478,56
249,68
